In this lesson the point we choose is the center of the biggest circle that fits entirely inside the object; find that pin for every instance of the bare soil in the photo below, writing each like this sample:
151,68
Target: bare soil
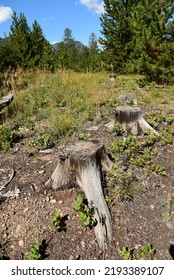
148,217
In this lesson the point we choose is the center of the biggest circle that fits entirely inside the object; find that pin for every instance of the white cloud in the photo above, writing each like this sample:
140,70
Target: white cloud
93,5
5,13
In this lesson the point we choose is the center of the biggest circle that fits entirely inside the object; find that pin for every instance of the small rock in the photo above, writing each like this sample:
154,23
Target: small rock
53,201
60,201
25,210
21,243
41,172
18,229
152,206
82,243
47,199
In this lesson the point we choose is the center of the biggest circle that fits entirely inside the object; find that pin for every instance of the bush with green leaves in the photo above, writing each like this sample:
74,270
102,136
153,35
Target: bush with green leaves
7,137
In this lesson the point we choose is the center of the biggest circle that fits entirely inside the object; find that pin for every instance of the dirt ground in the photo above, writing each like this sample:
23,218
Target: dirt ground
27,216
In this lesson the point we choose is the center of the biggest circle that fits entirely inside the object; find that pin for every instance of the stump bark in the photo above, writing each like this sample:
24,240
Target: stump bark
87,160
6,100
131,120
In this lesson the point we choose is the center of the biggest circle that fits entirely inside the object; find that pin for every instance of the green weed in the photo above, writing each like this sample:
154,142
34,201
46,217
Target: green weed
147,252
34,253
56,221
126,253
85,212
8,136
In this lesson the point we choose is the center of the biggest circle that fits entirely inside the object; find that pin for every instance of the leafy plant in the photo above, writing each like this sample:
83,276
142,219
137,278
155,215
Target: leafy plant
118,129
126,253
7,137
85,212
146,253
158,169
166,216
45,140
34,253
125,184
56,220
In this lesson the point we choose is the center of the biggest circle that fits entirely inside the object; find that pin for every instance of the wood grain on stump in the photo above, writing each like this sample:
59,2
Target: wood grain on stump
87,160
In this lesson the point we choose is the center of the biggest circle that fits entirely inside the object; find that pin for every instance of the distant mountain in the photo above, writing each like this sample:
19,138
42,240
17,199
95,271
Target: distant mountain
55,46
78,45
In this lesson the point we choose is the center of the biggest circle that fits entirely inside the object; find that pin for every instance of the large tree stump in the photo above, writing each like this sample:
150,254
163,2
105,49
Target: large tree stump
131,120
6,100
87,160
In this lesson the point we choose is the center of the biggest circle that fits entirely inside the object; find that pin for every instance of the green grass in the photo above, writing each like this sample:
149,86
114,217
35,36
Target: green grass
69,100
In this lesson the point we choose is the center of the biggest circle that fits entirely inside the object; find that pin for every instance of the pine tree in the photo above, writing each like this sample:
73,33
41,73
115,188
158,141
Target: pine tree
153,39
6,55
68,54
20,40
94,54
139,37
116,31
40,49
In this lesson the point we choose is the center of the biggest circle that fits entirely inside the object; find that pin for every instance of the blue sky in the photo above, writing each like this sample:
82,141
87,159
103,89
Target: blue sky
81,16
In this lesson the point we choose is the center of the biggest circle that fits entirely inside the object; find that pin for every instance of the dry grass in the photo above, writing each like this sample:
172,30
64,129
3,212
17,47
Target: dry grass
68,100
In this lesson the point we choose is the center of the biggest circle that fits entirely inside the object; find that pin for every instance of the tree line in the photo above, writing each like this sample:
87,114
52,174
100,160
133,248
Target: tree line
137,37
26,48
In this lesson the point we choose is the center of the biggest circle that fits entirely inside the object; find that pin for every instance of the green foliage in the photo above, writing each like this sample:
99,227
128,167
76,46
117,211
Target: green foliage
138,38
56,220
126,253
34,253
45,140
85,212
7,137
25,47
147,252
73,55
125,184
118,129
158,169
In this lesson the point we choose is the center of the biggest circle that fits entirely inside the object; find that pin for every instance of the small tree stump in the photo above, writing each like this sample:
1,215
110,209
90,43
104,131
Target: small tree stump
5,101
131,120
87,160
112,77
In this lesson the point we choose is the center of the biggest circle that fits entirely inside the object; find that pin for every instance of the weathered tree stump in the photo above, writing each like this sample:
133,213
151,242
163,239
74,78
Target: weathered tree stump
5,101
131,120
112,77
87,160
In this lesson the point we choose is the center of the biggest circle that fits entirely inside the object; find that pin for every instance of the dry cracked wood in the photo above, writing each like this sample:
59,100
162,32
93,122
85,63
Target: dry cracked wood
87,160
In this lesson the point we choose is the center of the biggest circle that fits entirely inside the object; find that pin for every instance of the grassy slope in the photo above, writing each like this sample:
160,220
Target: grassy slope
68,100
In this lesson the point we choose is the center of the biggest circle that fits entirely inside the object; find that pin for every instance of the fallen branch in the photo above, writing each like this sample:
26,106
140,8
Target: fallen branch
6,100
